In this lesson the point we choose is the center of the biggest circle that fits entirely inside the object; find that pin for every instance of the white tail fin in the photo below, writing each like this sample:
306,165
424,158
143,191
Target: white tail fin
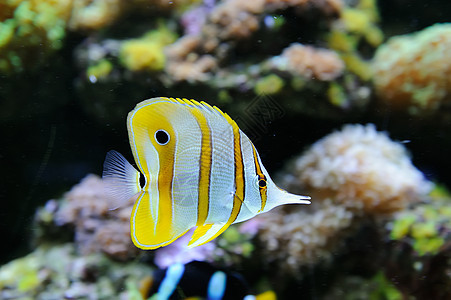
120,178
287,198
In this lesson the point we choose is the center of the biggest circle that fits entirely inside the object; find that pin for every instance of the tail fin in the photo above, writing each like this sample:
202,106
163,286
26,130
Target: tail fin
120,178
288,198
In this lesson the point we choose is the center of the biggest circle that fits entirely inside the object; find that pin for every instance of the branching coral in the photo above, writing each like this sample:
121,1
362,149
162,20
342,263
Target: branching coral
414,71
362,168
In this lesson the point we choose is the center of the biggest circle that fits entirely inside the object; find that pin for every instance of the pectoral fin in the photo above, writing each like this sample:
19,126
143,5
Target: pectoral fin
121,180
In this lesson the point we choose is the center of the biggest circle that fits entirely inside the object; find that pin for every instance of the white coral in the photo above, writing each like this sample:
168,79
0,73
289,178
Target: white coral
363,168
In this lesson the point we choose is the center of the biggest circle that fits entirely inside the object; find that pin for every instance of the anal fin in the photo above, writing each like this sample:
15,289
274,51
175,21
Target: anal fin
205,233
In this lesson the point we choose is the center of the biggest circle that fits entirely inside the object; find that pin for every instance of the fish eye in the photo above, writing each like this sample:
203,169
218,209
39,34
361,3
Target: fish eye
262,183
162,137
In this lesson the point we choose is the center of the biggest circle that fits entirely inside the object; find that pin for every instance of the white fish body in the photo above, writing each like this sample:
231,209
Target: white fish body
200,170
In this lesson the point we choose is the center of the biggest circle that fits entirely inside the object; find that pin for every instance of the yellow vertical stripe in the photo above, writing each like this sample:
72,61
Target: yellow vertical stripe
239,187
205,162
154,230
261,176
167,157
239,173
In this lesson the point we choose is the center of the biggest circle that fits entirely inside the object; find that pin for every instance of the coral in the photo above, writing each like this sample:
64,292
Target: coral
361,20
327,7
33,29
353,176
412,72
418,256
29,32
297,236
357,23
57,273
177,252
236,20
362,168
336,94
309,62
91,15
353,287
184,64
146,53
425,227
271,84
97,228
88,15
193,19
218,30
100,70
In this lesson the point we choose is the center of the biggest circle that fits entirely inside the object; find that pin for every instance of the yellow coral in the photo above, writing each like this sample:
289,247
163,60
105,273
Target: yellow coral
146,53
341,41
30,31
140,55
356,23
336,94
357,65
413,72
100,70
269,85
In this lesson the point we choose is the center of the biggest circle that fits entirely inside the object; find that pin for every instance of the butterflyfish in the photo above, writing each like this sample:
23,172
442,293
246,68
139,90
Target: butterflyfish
198,170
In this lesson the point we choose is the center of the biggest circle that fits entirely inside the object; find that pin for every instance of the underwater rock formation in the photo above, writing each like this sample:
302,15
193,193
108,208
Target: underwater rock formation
412,72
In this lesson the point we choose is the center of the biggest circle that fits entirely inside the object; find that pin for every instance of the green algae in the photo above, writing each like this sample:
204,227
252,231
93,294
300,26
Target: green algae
336,94
425,227
100,70
269,85
401,226
32,32
385,289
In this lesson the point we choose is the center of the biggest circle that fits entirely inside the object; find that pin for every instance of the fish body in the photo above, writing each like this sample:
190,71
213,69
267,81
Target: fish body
199,170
